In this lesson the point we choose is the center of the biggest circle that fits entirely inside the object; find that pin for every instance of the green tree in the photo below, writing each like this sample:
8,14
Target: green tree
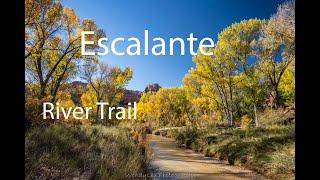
235,46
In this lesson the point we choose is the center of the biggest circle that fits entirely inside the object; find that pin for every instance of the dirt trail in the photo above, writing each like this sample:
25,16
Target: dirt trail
171,162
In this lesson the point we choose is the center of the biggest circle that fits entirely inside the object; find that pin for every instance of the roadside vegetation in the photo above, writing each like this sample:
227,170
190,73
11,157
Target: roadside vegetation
268,150
65,151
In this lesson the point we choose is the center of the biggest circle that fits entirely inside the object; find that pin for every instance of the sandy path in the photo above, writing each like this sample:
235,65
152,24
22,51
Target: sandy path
171,162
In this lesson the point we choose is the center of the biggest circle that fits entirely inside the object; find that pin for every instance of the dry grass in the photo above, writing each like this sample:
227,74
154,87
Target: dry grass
64,151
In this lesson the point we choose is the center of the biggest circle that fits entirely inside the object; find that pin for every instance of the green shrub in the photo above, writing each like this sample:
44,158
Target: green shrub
210,139
180,138
191,134
196,145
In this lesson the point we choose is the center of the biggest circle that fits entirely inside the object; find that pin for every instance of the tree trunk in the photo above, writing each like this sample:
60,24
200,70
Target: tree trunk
255,114
275,95
231,118
42,91
231,103
277,98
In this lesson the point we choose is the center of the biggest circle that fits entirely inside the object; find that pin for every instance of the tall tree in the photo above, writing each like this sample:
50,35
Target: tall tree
276,48
106,84
236,45
204,108
216,79
52,44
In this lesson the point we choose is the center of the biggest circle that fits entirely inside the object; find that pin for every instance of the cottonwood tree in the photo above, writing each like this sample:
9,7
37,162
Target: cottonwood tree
52,44
276,48
203,108
236,45
106,84
287,86
145,108
166,107
172,106
216,76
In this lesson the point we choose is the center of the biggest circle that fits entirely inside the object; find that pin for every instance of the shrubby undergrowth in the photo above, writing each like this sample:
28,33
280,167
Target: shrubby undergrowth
65,151
268,150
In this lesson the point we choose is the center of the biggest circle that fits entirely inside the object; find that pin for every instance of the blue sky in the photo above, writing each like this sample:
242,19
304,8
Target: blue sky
166,18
